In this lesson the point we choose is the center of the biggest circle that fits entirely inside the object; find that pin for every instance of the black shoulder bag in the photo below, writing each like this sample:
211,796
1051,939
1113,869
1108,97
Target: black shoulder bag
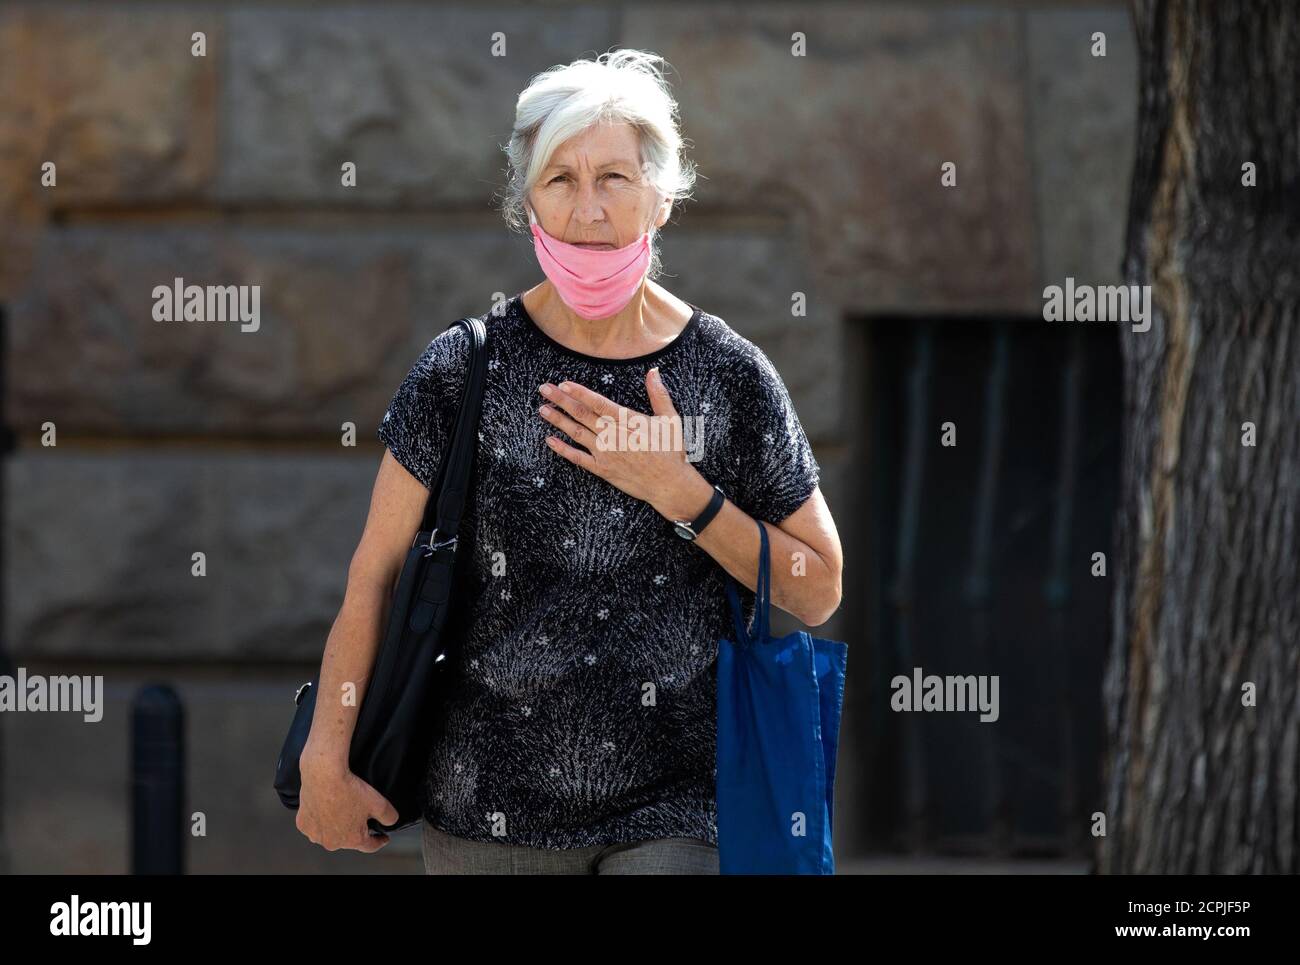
393,734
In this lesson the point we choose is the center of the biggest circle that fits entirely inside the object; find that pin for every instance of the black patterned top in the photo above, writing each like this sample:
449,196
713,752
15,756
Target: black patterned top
584,698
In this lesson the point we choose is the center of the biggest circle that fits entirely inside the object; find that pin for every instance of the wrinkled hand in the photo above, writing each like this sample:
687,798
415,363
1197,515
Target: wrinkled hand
334,806
655,471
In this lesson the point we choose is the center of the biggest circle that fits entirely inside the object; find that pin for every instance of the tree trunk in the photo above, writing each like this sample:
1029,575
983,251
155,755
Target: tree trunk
1206,575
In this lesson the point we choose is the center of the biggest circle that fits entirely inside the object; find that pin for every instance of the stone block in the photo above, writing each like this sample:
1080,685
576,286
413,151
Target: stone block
1084,111
850,140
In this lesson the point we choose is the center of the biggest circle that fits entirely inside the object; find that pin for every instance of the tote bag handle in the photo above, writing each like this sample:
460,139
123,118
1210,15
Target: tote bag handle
762,597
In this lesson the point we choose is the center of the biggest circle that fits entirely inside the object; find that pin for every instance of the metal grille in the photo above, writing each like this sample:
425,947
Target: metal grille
982,558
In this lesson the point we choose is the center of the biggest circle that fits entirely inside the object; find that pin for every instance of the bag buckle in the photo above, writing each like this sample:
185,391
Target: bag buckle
435,544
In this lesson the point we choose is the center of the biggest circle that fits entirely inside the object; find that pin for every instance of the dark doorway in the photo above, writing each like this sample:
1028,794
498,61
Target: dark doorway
981,563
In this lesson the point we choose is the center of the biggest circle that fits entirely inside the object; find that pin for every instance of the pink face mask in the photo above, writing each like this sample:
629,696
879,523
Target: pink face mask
594,283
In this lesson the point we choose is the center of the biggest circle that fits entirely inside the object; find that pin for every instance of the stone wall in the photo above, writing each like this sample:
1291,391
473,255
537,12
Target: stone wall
821,175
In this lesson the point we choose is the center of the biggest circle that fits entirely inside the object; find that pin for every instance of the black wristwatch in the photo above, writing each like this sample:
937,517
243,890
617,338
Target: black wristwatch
693,529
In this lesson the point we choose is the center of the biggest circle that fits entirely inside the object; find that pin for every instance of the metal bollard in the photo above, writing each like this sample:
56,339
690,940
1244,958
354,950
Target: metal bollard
157,782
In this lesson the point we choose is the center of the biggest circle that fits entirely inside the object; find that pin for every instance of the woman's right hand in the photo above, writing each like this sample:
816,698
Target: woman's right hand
334,805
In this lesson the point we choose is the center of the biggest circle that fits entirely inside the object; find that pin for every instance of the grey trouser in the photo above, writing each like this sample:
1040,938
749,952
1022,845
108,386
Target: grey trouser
445,854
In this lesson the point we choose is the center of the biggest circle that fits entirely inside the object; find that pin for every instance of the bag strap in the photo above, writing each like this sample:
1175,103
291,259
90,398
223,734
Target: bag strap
762,596
446,504
446,501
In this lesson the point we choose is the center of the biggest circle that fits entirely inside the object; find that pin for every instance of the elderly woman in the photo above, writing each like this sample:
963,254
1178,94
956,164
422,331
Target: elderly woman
580,731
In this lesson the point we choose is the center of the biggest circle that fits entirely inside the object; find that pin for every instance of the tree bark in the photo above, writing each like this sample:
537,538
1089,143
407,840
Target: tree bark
1206,581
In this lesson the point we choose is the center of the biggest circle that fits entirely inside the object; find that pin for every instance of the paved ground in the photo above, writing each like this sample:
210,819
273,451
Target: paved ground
942,865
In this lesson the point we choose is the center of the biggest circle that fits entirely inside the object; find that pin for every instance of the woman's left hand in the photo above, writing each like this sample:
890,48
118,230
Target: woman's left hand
657,472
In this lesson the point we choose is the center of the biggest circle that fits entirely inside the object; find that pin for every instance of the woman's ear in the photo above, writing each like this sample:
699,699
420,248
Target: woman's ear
665,209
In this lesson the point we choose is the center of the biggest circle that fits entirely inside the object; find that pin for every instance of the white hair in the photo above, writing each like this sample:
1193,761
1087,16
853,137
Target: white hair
624,86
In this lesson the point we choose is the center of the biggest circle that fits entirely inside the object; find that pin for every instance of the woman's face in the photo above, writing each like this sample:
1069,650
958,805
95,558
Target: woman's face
593,192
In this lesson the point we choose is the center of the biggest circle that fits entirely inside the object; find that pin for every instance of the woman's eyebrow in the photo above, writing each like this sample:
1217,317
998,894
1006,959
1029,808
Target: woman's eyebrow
607,164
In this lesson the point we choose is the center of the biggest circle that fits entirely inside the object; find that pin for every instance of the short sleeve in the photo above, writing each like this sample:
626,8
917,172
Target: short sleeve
417,425
777,469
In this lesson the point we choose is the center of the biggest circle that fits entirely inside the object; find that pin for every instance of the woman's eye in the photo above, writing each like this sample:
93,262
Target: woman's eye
565,177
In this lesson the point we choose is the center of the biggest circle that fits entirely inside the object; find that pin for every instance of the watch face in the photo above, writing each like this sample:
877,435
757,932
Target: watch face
684,531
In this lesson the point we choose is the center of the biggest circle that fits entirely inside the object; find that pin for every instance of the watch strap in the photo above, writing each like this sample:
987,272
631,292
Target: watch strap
711,510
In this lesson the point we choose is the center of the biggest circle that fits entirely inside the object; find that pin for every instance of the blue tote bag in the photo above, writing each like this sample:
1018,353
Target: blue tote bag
779,705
